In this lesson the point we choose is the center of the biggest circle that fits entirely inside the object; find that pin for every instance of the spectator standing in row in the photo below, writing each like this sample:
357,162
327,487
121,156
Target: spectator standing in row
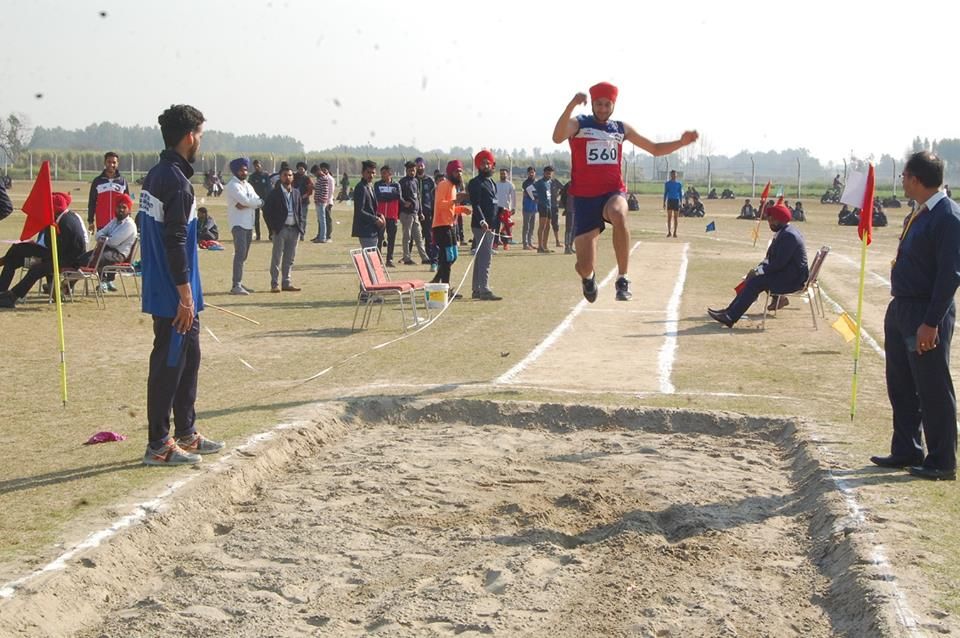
427,187
303,182
367,222
556,195
568,221
284,216
448,208
506,200
242,201
323,193
387,192
529,207
104,190
260,180
344,185
483,198
544,199
411,216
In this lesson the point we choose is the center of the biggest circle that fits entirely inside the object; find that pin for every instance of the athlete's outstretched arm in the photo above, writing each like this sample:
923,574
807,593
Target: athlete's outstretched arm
567,125
659,148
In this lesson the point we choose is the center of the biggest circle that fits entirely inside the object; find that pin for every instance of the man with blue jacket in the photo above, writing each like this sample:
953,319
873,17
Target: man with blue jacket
784,269
171,292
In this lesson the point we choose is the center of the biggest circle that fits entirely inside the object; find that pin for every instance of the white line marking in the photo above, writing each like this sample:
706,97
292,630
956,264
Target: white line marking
883,281
213,335
668,351
878,556
563,326
140,512
870,341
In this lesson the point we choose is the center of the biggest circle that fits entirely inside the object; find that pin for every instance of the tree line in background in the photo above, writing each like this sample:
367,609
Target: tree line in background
79,151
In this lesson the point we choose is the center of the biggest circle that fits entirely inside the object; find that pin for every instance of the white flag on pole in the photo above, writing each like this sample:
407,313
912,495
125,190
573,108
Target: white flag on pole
855,189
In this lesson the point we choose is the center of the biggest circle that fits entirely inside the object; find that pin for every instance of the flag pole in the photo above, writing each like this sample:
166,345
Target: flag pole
856,347
55,282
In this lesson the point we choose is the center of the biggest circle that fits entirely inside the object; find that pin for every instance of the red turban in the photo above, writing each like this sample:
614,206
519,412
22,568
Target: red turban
780,212
484,155
61,202
604,90
123,198
453,165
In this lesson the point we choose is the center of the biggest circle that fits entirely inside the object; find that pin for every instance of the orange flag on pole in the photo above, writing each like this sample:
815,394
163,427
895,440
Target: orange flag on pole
39,205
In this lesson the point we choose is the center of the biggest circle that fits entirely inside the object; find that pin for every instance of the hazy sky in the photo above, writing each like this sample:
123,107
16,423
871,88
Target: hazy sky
834,77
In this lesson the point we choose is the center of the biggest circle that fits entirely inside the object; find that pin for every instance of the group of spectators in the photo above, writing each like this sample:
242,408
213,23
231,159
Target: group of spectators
798,214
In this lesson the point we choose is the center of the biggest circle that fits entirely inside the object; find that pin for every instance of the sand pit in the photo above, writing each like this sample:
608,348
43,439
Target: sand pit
470,518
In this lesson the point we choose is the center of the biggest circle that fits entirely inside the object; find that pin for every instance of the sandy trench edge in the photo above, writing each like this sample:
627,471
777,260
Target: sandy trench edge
861,600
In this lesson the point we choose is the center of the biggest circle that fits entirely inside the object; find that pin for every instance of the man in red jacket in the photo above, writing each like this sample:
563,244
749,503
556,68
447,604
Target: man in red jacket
104,191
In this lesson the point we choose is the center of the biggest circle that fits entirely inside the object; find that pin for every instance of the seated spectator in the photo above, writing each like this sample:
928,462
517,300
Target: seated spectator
783,270
119,235
879,217
727,194
71,244
847,217
799,215
632,202
6,206
712,194
747,211
206,227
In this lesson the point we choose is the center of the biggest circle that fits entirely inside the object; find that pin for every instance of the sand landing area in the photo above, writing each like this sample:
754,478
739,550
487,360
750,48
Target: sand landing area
473,518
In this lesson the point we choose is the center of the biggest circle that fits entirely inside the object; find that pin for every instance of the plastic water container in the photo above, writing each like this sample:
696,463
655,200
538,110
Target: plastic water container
437,295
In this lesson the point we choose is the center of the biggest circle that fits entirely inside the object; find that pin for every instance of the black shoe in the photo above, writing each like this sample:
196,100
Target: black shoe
486,295
409,262
777,302
719,312
932,474
895,461
722,317
458,296
623,289
590,288
390,264
7,300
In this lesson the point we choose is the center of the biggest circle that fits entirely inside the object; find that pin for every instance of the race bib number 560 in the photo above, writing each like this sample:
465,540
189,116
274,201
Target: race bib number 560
602,152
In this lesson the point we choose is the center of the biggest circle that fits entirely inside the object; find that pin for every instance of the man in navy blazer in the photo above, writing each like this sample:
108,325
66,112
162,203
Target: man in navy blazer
283,214
918,328
783,270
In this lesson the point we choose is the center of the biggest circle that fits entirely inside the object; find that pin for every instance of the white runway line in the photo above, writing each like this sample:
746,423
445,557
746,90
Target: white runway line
668,351
870,341
883,281
140,512
543,346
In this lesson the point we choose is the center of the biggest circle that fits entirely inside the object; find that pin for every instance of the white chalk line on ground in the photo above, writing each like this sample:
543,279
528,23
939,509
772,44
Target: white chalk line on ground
562,327
883,281
140,512
878,556
870,341
668,351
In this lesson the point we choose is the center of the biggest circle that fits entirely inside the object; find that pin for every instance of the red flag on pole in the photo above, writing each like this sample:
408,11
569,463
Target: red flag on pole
866,211
39,204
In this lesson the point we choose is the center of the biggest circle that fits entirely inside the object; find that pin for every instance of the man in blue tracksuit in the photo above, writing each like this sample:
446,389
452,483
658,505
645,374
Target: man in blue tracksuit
171,292
672,194
529,207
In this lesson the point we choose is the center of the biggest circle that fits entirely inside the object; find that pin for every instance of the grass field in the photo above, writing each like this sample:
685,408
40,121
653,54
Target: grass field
54,490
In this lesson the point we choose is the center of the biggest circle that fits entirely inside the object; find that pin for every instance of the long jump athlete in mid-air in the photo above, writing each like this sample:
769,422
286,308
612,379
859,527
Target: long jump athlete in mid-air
596,144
